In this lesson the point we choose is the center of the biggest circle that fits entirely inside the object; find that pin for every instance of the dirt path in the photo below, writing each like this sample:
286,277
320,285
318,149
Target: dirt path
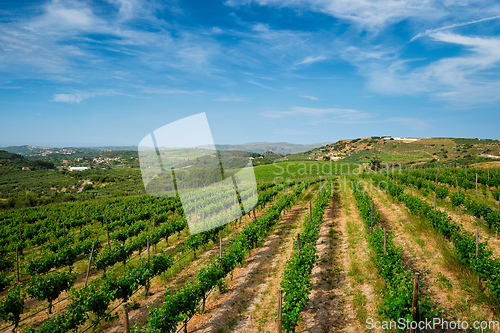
325,309
249,305
362,285
453,287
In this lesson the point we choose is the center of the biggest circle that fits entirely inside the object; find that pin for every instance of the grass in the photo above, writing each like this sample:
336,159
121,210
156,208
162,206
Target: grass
293,169
362,270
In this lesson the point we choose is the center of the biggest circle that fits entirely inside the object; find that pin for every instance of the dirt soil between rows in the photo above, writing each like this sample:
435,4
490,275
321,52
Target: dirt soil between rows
250,302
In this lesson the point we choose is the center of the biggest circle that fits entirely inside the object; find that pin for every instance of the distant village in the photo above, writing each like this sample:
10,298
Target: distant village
96,161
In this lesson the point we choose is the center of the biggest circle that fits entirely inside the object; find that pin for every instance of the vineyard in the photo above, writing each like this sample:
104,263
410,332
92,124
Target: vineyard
321,252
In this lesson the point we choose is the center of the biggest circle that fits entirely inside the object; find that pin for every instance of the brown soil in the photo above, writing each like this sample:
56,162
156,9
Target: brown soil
249,304
448,285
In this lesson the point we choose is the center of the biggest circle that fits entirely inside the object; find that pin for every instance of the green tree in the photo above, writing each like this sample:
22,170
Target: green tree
376,163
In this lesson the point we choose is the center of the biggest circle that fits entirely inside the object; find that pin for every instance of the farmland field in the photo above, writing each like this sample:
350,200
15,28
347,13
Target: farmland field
367,240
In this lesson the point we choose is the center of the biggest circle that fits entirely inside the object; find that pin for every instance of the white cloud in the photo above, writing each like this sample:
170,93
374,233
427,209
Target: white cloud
76,39
78,97
346,116
72,98
369,14
311,60
375,15
312,98
465,79
258,84
456,25
68,14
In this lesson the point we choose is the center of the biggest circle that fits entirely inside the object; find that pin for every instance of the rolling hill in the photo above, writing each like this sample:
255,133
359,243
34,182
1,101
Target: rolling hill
405,150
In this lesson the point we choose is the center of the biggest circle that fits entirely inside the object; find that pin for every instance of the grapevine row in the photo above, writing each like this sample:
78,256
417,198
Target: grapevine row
464,242
297,275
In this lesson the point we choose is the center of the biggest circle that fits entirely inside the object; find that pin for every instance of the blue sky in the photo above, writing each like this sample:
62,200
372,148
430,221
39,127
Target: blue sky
108,72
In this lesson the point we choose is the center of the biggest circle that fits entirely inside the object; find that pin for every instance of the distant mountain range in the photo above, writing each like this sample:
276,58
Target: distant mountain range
387,149
282,148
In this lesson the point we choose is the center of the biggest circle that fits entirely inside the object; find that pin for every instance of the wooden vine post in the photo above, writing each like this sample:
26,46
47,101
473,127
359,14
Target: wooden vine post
385,241
154,225
88,267
371,228
414,303
435,202
20,225
203,220
477,242
107,231
476,184
298,244
220,246
488,180
310,211
126,323
17,263
477,250
147,282
280,306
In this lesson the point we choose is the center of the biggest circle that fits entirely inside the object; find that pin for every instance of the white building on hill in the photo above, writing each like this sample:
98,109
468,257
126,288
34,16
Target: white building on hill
78,168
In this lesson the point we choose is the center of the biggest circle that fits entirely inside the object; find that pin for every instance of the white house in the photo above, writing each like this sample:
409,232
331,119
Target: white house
78,168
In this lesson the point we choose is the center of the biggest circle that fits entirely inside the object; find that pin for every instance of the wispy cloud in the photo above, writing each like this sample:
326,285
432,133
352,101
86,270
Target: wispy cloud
376,15
258,84
347,116
462,79
311,60
312,98
78,97
451,26
367,14
82,42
